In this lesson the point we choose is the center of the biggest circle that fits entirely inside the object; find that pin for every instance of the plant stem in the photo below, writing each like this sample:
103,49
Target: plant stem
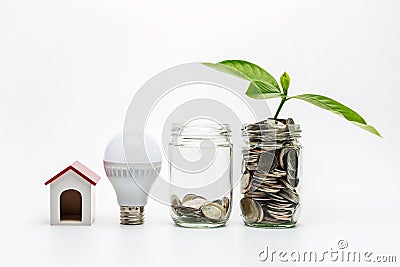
280,107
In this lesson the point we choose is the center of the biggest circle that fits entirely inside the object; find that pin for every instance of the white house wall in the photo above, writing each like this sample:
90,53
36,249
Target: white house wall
93,207
70,180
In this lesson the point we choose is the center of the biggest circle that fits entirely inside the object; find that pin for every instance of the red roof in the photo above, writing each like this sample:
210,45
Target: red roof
81,170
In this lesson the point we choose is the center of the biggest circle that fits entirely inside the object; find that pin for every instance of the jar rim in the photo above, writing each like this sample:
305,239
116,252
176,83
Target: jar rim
248,124
265,127
279,123
267,133
181,132
205,125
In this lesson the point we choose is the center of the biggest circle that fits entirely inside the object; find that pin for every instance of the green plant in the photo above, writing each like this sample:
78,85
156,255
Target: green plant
263,86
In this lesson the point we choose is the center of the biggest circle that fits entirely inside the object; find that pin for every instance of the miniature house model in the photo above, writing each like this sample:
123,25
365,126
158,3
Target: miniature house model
72,196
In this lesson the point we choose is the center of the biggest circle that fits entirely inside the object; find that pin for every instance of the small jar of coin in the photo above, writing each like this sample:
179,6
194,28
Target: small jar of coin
200,171
271,173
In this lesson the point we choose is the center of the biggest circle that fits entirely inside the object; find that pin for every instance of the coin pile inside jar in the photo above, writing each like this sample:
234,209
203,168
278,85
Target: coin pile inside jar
194,208
270,172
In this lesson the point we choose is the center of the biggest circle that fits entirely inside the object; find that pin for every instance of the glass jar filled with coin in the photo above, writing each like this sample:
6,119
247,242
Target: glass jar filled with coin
271,173
200,171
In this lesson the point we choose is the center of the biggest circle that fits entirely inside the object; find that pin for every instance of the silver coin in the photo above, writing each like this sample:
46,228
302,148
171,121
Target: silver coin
218,201
225,203
188,197
277,198
261,212
280,172
282,158
250,158
243,166
271,220
291,126
292,162
286,183
189,212
194,203
280,210
292,167
265,176
276,124
256,195
213,211
281,205
199,197
274,212
276,175
250,209
267,189
175,201
251,167
290,195
281,218
294,182
245,182
262,201
267,162
289,121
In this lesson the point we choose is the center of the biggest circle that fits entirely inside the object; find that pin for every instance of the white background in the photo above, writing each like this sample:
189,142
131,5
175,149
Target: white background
68,70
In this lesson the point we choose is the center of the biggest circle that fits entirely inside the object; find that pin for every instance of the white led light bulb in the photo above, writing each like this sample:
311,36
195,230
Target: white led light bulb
132,179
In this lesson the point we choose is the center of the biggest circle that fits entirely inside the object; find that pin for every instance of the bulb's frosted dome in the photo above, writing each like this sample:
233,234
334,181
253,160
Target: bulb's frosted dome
133,151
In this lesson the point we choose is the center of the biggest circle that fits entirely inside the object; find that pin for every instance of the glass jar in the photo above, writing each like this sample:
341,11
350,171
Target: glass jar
200,171
271,173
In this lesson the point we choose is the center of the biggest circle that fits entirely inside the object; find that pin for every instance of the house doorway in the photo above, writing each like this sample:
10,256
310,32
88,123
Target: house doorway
71,205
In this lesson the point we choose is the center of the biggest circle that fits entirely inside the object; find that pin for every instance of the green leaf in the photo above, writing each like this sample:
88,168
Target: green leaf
368,128
331,105
251,71
262,84
285,82
226,69
260,90
339,109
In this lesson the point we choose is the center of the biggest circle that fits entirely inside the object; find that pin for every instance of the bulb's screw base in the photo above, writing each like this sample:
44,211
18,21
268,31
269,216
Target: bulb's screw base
132,215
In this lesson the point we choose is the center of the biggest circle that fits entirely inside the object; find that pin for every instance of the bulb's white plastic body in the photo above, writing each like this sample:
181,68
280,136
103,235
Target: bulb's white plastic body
132,182
115,150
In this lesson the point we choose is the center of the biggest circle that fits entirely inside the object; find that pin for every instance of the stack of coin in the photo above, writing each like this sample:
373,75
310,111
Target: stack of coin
197,209
270,168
